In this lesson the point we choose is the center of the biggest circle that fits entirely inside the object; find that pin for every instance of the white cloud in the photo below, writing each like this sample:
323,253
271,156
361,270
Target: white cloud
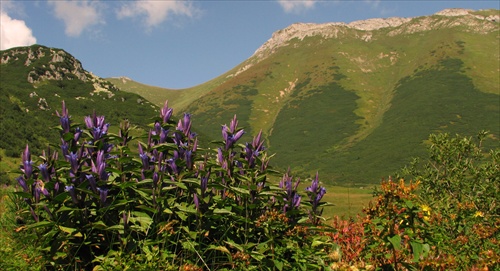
14,32
77,15
296,5
155,12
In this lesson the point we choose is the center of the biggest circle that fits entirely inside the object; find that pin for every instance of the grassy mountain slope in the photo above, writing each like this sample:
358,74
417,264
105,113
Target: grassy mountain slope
357,104
34,82
353,101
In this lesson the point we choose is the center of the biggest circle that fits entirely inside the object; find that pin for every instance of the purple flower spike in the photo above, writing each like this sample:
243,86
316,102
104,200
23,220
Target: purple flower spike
238,135
26,154
64,118
27,168
163,135
71,190
89,121
22,183
64,124
64,148
196,201
296,200
322,192
184,124
204,184
145,161
156,178
44,172
92,182
173,166
188,156
166,112
233,125
103,194
103,175
78,134
27,163
73,160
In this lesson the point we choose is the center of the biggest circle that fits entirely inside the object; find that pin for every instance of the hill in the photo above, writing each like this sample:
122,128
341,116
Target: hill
34,82
356,101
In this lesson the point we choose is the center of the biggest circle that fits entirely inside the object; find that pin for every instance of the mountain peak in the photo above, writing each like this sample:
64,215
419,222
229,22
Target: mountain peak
300,31
47,63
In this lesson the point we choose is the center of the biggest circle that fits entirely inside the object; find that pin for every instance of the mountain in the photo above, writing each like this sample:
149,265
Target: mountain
35,80
356,101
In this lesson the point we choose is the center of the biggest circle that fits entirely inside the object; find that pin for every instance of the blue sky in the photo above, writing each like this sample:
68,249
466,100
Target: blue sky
178,44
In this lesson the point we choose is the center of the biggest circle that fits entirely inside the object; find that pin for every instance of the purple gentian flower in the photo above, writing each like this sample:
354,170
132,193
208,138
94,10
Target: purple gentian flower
166,112
196,201
92,182
27,163
103,194
78,134
73,160
71,190
184,124
64,118
44,172
22,183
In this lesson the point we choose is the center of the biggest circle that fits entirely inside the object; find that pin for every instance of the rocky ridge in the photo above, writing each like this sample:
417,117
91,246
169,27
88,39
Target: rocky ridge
58,65
300,31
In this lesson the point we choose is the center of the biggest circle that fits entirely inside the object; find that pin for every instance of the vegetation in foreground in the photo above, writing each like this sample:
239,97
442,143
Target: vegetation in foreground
100,203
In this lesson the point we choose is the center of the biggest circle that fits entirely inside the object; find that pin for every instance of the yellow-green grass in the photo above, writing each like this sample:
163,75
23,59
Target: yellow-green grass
346,201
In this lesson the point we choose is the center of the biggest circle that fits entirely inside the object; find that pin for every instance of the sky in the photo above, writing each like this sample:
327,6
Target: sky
180,44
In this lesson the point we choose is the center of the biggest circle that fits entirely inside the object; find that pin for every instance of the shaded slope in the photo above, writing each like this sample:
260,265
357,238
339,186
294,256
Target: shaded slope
441,99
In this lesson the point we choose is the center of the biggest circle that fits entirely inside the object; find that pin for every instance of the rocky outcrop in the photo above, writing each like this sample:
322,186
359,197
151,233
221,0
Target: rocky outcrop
454,17
54,64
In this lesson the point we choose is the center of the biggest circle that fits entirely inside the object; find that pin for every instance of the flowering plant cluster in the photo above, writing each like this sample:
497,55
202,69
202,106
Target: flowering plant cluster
449,220
105,201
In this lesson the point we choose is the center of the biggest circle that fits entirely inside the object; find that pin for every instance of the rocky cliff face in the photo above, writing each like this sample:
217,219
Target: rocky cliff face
53,64
472,20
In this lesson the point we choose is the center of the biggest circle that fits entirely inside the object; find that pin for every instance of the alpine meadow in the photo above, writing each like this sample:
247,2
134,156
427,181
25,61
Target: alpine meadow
372,145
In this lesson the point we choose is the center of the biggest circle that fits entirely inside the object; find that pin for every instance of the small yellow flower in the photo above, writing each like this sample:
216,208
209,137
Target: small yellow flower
426,208
479,214
427,211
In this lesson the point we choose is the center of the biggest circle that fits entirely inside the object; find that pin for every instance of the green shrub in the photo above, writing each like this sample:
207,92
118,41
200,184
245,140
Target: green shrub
167,203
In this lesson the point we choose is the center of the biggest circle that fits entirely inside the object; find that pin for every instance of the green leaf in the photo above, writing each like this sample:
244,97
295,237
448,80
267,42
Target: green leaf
222,211
168,211
70,231
99,225
141,219
221,249
40,224
395,241
278,264
233,244
418,249
118,228
240,190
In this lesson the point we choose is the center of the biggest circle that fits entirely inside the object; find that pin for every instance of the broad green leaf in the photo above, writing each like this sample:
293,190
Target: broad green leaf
168,211
417,250
99,225
187,209
68,230
278,264
395,241
233,244
240,190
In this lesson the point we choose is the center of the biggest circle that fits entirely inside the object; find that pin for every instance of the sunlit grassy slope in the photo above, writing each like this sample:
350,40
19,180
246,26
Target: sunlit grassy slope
357,107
